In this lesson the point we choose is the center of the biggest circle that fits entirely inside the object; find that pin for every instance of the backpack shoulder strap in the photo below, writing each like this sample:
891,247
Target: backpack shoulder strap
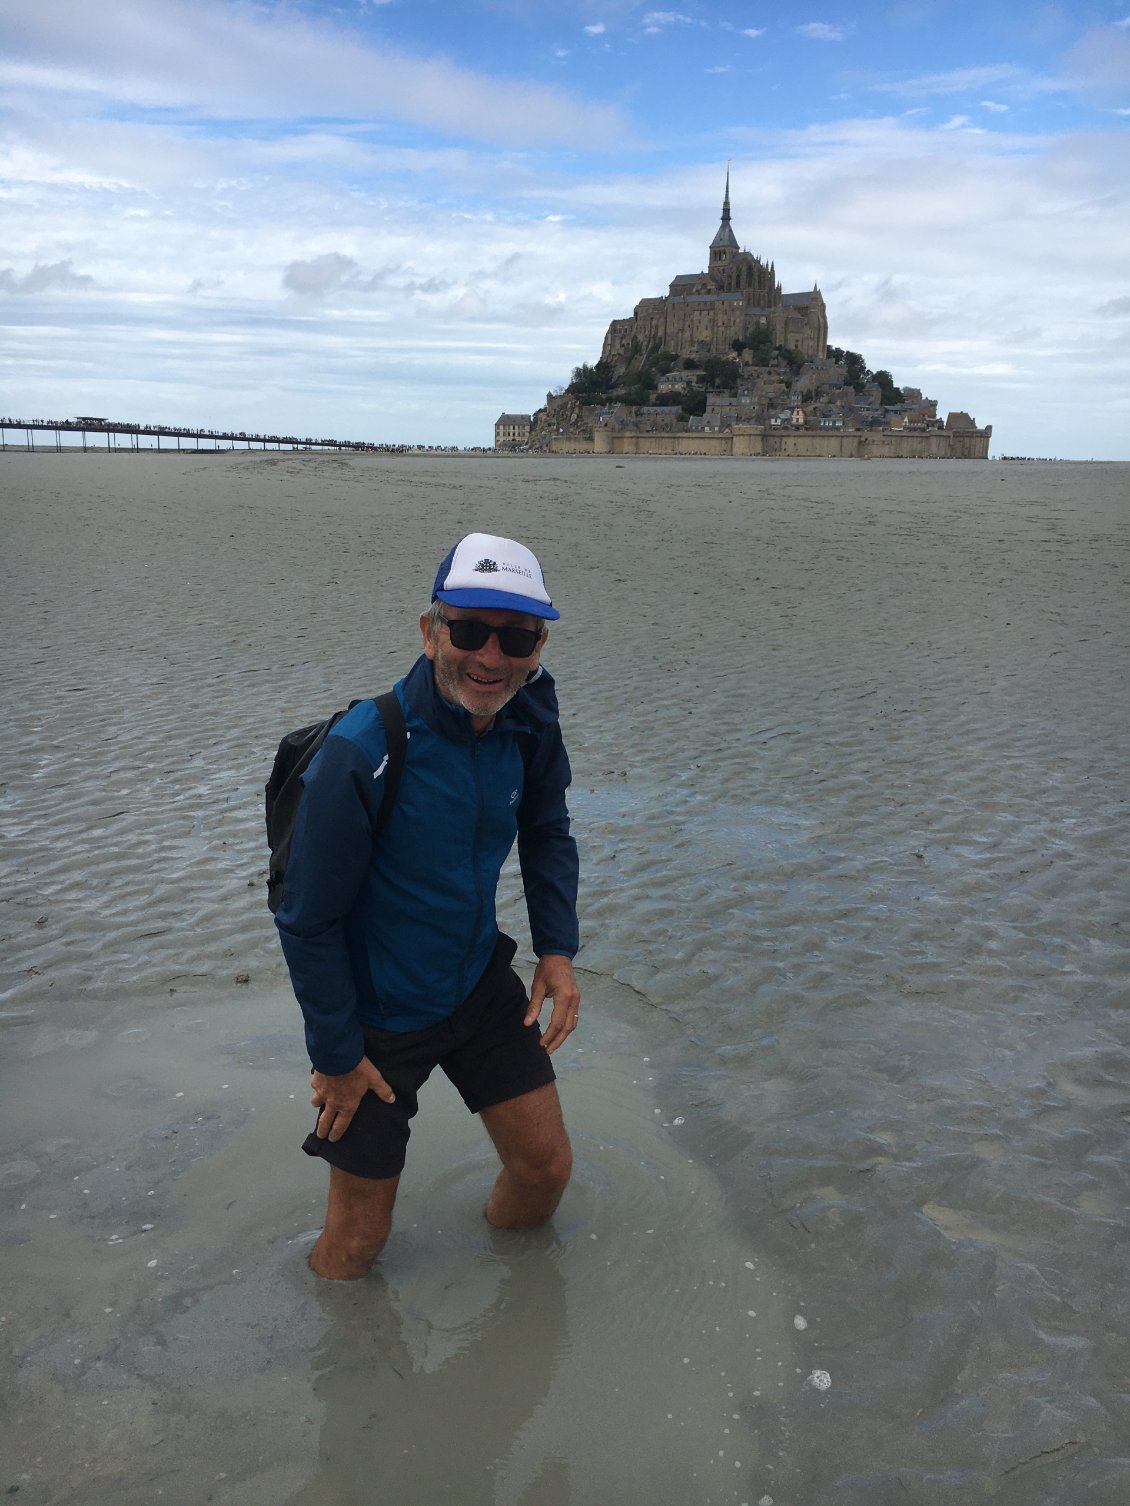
396,734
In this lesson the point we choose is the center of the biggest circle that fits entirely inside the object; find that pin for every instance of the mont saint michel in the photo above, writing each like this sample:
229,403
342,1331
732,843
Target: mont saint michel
727,363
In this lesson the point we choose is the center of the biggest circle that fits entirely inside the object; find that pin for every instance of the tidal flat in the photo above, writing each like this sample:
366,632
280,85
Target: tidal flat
850,1100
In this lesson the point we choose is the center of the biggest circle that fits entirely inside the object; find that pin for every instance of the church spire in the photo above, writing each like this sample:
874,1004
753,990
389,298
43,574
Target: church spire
725,237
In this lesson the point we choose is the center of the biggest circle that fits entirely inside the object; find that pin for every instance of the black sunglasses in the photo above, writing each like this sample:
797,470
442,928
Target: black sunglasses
468,633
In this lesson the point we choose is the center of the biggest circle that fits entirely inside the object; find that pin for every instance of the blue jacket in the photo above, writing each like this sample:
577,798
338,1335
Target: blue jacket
395,933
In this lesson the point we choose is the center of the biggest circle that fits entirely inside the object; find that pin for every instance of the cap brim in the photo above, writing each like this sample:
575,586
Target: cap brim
505,601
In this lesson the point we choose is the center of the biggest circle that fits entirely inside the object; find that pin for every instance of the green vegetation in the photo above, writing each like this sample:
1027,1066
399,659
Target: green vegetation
721,371
758,344
635,393
859,377
855,367
600,384
792,358
591,384
637,386
890,394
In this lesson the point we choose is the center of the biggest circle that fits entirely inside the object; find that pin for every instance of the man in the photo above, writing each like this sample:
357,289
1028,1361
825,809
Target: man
392,943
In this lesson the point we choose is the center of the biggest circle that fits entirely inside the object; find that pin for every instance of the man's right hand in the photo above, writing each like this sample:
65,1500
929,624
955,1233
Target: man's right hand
338,1097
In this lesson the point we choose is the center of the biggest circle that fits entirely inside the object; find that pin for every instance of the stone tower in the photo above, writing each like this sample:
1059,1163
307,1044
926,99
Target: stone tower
725,243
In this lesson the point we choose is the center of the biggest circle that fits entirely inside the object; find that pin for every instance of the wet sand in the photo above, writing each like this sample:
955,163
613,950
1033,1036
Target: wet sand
851,1099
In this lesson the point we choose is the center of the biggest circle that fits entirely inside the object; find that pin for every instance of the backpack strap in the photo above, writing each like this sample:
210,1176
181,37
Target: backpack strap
396,735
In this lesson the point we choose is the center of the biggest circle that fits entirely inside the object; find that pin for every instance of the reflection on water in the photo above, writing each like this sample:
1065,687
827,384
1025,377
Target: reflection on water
427,1380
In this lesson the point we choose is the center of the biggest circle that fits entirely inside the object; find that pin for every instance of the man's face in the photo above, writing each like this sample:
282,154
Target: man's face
480,680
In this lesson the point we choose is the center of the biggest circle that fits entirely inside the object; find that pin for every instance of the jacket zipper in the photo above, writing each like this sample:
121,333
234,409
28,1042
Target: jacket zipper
476,768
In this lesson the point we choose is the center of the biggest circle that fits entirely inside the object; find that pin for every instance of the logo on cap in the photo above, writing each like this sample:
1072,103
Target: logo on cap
488,567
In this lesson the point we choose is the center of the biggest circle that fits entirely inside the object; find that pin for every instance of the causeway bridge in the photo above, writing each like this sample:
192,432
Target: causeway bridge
99,433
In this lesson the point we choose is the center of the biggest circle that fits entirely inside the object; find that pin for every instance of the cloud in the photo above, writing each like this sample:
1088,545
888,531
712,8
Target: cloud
656,20
822,31
247,62
753,31
42,279
596,30
320,275
992,104
959,123
345,280
334,272
996,76
1099,63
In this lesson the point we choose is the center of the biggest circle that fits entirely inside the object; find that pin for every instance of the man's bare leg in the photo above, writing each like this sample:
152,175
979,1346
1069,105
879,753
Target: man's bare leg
358,1220
529,1135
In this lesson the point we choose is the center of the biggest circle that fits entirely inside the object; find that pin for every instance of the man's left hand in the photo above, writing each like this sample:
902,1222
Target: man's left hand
554,979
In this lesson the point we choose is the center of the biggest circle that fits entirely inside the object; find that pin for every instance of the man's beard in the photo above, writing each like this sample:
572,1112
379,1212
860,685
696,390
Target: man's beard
484,700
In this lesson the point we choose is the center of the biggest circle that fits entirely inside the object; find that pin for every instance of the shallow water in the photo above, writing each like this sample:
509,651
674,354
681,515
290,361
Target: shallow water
849,747
168,1339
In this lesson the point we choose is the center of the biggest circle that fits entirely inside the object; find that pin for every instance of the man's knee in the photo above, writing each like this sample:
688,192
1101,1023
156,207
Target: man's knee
363,1236
546,1167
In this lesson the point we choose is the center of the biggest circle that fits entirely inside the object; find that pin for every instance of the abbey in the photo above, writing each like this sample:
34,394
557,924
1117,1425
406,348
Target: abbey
725,363
703,313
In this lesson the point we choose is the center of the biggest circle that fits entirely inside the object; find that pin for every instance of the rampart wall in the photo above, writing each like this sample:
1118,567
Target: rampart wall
753,441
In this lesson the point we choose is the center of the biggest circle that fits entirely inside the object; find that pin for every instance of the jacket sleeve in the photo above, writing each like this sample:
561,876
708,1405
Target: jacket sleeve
329,858
547,852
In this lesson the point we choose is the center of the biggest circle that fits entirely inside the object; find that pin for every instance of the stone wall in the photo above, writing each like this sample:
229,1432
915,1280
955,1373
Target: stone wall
700,323
752,441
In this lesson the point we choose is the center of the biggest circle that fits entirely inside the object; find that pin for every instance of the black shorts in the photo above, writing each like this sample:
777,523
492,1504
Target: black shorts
482,1046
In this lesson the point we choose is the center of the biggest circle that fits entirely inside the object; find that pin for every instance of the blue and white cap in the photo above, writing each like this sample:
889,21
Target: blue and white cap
485,571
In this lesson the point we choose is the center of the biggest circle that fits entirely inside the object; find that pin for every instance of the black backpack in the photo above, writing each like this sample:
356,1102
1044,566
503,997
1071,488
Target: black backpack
284,788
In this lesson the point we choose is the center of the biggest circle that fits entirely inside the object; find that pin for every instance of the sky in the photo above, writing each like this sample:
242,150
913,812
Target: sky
394,221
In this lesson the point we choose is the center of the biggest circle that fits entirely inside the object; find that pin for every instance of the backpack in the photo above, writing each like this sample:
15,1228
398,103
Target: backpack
283,789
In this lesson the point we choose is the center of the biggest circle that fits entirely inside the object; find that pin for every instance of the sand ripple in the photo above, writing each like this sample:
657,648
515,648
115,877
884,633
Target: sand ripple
850,748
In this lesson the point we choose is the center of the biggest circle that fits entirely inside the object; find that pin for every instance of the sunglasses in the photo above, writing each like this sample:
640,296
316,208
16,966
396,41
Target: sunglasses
468,634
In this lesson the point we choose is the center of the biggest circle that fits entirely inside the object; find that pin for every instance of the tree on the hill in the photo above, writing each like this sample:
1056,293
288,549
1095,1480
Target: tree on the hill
891,395
759,345
792,358
591,383
855,367
721,371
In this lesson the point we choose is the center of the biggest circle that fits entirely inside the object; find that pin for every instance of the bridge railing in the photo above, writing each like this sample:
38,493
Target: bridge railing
207,438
